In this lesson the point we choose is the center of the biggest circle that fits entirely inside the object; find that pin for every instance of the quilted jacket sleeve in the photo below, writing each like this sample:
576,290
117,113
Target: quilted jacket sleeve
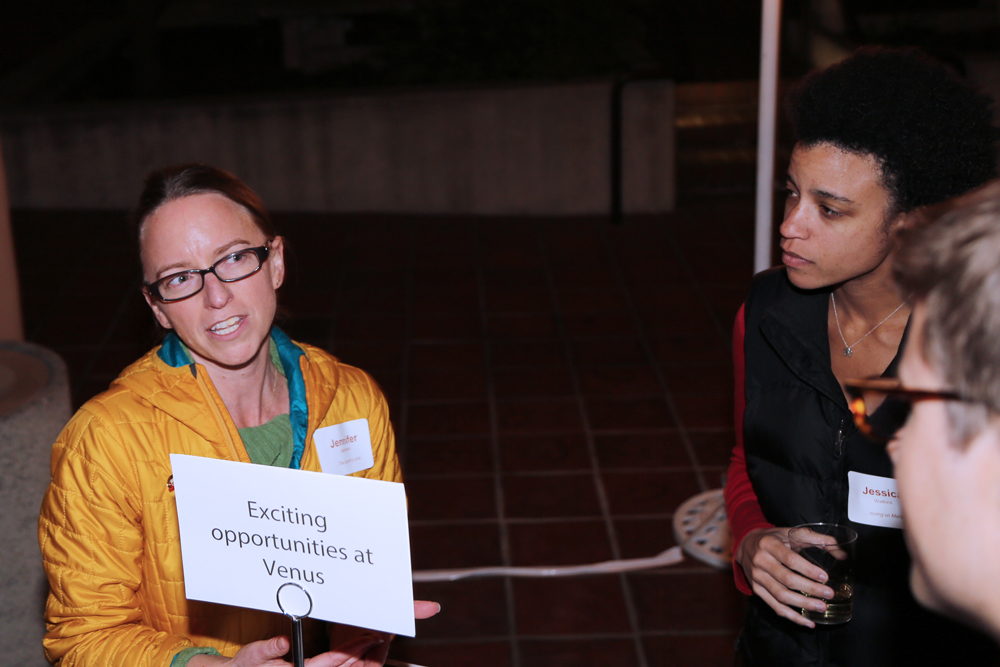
383,439
90,533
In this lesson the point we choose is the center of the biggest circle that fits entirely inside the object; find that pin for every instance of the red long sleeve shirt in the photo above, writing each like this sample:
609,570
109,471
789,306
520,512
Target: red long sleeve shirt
742,507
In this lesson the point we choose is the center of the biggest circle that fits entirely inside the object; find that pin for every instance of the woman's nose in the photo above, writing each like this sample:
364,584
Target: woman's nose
793,225
217,293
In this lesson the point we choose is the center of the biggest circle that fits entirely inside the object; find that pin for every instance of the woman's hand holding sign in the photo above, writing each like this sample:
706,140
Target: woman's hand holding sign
368,650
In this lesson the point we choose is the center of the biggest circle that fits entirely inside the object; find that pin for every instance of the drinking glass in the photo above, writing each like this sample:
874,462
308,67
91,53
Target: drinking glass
831,547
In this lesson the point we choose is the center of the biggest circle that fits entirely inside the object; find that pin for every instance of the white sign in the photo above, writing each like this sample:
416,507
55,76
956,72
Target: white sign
344,448
873,501
248,529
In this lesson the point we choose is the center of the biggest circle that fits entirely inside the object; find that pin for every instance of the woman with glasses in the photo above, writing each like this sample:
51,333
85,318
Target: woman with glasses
225,383
879,135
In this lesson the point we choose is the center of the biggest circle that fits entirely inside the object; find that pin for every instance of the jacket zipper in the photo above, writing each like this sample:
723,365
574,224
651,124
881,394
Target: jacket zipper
220,418
838,455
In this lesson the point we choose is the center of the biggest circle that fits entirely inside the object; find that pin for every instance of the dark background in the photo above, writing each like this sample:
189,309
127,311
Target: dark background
64,51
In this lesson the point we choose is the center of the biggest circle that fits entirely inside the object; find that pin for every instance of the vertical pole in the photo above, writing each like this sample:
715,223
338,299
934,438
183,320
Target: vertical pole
770,34
11,324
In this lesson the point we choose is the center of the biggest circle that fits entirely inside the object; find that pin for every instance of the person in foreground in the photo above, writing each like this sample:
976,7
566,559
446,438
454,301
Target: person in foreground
947,456
879,135
225,383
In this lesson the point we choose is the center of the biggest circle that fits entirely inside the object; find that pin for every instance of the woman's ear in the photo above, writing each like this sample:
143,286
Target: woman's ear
158,313
276,258
903,222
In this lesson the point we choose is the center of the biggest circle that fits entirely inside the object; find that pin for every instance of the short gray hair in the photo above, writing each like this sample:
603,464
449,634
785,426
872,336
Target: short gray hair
952,265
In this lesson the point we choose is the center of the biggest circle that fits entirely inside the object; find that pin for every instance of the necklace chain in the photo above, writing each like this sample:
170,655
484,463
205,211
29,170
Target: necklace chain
849,349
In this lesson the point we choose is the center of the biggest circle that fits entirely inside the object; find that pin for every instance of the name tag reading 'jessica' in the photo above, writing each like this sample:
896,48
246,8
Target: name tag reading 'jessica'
344,448
873,501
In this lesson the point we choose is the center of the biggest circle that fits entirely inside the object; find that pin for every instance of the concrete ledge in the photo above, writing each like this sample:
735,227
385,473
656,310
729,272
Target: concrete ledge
34,407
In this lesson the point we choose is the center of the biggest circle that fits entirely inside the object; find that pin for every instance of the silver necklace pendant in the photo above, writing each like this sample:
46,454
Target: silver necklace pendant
847,351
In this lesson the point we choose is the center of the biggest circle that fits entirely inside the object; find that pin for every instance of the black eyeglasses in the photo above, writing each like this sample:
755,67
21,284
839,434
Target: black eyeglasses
895,408
234,266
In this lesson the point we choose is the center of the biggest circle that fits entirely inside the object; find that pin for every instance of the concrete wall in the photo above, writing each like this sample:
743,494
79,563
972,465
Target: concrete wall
34,407
533,149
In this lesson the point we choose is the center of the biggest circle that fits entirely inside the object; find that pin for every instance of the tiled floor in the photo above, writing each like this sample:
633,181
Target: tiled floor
558,388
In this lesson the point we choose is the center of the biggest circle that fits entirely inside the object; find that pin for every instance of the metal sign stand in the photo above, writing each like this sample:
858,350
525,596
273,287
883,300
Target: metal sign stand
290,602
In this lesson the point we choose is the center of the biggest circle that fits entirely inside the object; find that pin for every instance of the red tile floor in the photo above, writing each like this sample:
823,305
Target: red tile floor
558,388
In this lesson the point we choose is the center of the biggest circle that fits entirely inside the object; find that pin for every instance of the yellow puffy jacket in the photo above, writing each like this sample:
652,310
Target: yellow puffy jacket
108,525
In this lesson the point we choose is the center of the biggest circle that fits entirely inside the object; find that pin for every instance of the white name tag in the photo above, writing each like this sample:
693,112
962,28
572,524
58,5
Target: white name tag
873,501
344,448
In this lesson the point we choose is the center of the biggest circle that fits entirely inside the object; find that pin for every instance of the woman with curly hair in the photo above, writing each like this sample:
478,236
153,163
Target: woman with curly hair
879,135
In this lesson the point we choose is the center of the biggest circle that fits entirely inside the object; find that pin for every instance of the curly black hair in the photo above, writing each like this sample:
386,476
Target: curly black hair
931,133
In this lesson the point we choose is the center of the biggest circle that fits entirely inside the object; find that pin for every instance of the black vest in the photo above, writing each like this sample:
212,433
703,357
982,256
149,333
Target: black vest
800,444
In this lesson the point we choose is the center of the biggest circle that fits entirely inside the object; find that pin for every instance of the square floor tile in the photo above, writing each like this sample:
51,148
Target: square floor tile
450,499
628,413
708,410
436,356
449,419
608,350
461,382
687,349
470,608
578,651
533,353
619,380
713,448
713,650
533,382
521,325
314,300
572,274
446,325
429,456
593,300
450,546
389,382
314,330
518,300
443,279
672,323
642,451
565,451
545,496
373,300
539,415
559,543
599,324
701,378
369,326
688,601
644,538
472,653
462,295
367,355
565,605
633,493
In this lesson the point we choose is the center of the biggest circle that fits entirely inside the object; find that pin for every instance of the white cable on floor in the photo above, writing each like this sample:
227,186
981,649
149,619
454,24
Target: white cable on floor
671,556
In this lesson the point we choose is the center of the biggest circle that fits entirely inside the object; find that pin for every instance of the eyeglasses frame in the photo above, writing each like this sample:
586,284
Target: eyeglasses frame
890,387
262,253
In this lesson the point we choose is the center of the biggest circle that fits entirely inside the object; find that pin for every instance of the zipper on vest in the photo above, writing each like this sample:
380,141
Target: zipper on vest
838,441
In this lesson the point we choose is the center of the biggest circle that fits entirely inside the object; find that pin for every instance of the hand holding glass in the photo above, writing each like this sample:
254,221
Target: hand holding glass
830,547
